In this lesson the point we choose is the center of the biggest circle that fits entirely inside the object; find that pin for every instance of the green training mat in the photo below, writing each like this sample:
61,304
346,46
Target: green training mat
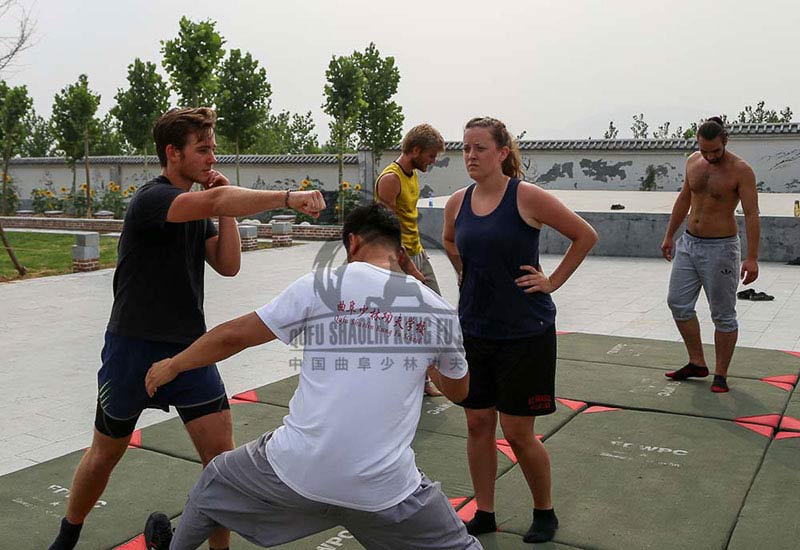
769,516
33,500
250,420
628,480
642,388
664,355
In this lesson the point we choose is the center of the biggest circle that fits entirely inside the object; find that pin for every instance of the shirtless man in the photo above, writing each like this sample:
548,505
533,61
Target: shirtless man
708,253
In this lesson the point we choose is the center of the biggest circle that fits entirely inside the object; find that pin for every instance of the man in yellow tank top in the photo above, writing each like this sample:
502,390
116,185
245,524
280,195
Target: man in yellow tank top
397,188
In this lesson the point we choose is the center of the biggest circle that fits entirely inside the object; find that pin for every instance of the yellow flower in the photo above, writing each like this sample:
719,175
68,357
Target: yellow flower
345,185
91,193
357,187
63,189
125,193
131,188
337,207
8,178
305,183
111,183
83,186
49,194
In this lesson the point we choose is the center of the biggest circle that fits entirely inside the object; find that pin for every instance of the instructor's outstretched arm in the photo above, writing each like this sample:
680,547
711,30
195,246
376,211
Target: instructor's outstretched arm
219,343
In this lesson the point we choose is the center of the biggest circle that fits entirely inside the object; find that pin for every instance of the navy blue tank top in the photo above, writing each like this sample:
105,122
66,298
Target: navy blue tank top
492,248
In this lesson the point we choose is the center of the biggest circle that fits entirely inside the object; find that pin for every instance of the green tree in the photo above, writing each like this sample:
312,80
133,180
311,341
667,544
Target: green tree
380,121
344,100
242,102
662,132
639,127
285,133
612,131
13,44
761,115
106,138
38,140
191,60
15,103
10,47
138,107
73,117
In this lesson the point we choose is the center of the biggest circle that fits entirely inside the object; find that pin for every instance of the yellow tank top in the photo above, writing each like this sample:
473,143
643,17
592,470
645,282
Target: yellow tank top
405,207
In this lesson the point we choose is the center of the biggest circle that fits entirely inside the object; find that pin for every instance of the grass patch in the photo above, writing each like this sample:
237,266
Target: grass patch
45,254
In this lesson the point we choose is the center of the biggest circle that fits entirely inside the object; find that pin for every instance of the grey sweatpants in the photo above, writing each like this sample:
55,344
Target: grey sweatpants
423,262
712,264
240,490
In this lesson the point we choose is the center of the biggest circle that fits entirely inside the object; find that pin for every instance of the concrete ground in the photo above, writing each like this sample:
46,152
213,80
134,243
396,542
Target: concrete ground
52,332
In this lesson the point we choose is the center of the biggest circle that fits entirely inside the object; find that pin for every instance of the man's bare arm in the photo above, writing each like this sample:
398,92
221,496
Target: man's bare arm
679,211
748,195
388,189
236,201
217,344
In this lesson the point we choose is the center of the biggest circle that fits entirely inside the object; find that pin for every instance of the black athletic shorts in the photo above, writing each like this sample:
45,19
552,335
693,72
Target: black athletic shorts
121,391
517,377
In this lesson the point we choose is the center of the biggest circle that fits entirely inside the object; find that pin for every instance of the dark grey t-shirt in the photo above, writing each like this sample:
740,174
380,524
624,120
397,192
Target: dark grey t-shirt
158,284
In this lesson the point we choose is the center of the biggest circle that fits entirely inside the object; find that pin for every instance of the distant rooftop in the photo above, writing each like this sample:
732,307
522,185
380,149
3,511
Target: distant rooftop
788,128
221,159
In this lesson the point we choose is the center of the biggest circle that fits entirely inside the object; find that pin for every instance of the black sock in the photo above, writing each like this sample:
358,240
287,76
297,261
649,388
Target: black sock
687,371
67,537
720,384
543,527
482,522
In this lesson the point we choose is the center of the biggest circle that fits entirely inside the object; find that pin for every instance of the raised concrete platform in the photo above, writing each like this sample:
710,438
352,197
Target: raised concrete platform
638,230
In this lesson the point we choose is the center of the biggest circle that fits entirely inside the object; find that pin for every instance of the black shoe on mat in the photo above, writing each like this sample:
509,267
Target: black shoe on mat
157,532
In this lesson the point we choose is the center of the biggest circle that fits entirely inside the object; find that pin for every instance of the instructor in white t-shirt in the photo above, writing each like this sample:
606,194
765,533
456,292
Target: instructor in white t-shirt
343,455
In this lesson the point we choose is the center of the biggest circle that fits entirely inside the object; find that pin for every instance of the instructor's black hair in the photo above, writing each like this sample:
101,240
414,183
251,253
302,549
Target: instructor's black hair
373,221
712,128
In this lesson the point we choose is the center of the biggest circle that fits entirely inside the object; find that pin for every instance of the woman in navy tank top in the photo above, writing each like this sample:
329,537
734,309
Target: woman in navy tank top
491,235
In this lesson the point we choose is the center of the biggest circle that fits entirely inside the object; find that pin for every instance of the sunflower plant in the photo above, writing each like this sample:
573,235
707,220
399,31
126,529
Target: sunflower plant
45,198
348,198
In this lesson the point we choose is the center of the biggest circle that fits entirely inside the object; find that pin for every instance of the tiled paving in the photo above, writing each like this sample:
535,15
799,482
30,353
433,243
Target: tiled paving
52,331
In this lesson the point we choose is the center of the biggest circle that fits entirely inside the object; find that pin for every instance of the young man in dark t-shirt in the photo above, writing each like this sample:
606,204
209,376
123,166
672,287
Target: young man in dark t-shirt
166,240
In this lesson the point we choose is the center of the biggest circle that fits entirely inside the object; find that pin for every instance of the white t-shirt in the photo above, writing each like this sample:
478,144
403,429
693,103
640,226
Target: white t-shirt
368,334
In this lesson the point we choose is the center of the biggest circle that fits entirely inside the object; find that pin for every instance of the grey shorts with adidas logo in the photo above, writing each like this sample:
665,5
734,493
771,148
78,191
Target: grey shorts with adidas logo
710,264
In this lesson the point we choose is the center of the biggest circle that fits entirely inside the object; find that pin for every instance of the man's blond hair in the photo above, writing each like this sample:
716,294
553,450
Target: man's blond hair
424,136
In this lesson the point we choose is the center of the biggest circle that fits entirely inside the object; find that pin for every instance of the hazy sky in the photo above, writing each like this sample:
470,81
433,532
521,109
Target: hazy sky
556,69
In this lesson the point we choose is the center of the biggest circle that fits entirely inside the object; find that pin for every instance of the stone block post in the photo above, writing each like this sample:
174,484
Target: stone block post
86,252
248,234
281,234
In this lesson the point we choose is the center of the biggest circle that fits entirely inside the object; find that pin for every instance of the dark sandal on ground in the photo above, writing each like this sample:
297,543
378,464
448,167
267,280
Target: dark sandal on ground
720,384
761,297
543,527
157,532
745,294
481,523
690,370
